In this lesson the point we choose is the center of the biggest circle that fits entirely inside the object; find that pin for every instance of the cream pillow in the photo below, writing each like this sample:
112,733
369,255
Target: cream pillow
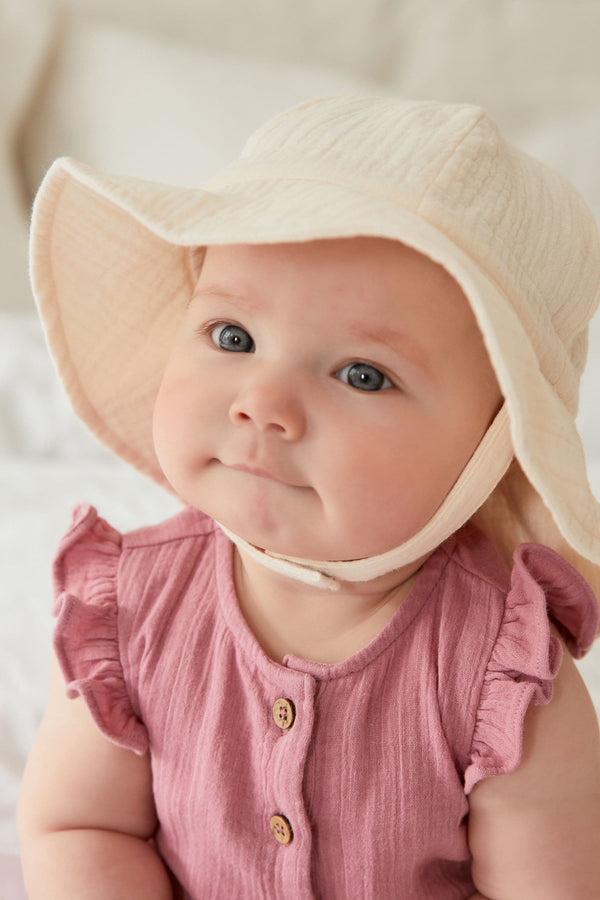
135,104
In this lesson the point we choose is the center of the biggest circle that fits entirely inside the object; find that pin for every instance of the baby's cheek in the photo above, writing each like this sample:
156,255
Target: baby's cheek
168,419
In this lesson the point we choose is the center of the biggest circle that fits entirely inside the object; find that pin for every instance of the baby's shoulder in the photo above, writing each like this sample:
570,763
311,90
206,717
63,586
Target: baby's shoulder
95,560
472,563
164,564
475,597
537,588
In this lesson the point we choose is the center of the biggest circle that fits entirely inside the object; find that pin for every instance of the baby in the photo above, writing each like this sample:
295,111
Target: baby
344,670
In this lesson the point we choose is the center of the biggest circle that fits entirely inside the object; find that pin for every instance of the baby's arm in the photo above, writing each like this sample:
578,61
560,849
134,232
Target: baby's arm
86,812
535,834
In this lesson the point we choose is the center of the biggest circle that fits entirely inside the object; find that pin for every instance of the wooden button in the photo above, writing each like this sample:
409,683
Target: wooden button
284,713
281,829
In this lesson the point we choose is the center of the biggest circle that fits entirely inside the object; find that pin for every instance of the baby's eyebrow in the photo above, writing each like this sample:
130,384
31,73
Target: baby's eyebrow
396,340
213,290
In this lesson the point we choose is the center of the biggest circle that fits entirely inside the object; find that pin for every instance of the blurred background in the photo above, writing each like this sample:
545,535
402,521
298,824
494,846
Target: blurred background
168,90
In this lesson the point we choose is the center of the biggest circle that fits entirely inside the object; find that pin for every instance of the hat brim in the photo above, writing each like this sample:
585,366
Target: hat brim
113,258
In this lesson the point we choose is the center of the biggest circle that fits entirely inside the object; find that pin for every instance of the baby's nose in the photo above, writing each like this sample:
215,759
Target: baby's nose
272,404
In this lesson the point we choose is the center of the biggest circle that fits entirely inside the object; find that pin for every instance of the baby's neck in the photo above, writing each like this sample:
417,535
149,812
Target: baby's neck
289,617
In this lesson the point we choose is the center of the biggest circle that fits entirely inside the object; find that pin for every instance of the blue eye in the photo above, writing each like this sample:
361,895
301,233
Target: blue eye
232,338
364,377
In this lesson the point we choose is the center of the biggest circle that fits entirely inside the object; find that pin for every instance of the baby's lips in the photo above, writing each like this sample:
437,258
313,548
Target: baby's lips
264,472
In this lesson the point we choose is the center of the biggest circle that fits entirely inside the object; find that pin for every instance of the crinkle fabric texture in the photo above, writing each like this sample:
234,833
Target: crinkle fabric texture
374,773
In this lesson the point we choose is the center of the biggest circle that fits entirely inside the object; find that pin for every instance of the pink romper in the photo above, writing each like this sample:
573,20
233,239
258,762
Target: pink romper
370,778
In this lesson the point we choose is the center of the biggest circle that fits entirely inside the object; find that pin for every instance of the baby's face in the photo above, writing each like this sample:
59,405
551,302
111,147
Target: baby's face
323,398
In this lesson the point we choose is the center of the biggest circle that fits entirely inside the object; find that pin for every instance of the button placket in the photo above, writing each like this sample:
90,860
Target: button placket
290,723
284,714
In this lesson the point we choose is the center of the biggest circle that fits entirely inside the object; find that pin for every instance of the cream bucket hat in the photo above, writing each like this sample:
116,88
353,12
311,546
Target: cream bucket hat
114,261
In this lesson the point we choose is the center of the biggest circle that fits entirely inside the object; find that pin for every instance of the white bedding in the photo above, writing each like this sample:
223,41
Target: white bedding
204,101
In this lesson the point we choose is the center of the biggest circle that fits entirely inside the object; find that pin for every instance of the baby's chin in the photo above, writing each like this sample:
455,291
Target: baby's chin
262,524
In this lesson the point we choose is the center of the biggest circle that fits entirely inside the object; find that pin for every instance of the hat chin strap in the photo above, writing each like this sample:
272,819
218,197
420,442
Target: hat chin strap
478,479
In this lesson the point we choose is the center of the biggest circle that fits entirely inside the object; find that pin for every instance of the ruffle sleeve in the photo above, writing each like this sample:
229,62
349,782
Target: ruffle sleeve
86,638
527,654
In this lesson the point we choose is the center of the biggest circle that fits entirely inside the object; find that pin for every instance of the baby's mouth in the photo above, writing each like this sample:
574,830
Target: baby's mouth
263,472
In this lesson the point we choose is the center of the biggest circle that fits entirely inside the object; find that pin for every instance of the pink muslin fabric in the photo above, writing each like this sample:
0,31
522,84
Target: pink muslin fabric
374,773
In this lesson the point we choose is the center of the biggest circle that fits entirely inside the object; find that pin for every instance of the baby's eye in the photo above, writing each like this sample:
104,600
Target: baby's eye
232,338
363,377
